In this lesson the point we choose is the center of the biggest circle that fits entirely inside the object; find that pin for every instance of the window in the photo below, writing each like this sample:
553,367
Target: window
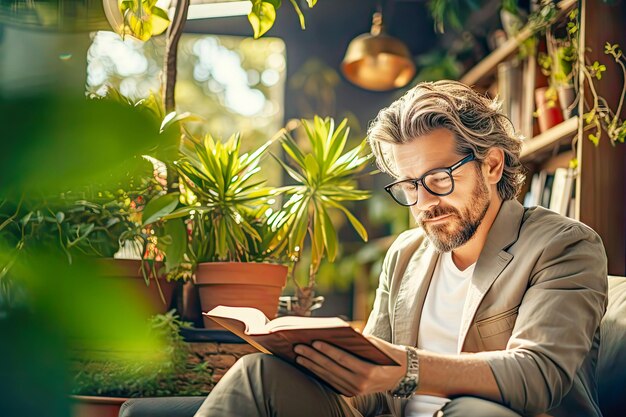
236,84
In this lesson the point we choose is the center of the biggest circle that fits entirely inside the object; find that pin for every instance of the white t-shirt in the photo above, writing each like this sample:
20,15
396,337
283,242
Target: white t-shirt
440,323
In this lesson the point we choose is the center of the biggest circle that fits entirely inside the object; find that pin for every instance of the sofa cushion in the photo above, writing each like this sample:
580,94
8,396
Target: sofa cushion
612,353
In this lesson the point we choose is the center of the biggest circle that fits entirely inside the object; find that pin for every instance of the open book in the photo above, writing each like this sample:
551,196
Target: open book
279,336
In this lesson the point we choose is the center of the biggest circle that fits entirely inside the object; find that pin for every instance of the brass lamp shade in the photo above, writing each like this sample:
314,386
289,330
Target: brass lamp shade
376,61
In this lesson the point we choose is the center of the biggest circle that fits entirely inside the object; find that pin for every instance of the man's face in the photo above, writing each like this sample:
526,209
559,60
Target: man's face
449,221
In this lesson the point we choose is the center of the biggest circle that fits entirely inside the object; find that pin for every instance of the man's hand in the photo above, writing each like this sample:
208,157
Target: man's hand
350,375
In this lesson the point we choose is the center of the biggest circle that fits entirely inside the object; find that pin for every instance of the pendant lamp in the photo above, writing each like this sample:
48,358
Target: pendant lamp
376,61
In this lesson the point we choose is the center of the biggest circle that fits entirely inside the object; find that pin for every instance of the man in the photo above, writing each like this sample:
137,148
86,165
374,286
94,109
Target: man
491,309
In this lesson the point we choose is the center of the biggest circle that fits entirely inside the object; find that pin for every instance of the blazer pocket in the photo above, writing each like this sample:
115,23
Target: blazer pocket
495,331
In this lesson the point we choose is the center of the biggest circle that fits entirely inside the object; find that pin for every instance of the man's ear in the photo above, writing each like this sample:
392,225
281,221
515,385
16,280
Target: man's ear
493,165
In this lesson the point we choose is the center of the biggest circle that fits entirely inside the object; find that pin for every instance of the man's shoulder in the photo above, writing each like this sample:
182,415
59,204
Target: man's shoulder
540,218
544,223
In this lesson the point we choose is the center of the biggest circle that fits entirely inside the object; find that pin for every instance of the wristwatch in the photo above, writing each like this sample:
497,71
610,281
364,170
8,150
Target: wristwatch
408,385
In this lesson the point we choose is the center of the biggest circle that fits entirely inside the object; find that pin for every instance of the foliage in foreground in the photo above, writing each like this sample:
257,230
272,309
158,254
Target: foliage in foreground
169,374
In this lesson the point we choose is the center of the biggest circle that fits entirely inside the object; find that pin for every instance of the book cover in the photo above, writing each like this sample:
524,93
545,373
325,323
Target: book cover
279,336
547,191
562,190
537,187
558,195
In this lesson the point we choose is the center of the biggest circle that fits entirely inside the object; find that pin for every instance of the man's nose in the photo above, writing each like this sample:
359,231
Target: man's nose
425,200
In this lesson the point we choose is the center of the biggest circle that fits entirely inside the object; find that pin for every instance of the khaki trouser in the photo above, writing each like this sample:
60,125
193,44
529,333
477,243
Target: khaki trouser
265,386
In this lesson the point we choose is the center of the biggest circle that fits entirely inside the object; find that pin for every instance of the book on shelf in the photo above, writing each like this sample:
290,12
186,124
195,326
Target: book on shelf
279,336
562,190
537,185
546,194
552,190
513,78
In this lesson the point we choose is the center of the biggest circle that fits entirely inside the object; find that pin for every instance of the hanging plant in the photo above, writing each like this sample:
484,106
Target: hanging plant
140,19
601,116
263,14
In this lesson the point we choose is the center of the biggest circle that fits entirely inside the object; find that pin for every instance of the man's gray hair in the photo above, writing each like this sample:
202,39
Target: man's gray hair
476,122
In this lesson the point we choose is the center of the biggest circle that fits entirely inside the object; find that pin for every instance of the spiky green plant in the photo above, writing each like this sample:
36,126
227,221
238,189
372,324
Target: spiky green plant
325,180
226,200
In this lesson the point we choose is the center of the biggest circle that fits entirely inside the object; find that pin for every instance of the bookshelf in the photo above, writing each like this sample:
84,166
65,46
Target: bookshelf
544,142
487,67
599,197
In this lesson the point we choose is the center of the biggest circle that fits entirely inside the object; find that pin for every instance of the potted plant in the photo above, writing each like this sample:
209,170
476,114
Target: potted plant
226,219
559,65
563,66
325,179
100,222
216,226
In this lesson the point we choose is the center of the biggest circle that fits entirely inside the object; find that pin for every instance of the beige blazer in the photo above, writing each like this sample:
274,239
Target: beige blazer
533,308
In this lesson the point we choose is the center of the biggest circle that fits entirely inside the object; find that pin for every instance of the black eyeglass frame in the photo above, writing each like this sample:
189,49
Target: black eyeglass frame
420,181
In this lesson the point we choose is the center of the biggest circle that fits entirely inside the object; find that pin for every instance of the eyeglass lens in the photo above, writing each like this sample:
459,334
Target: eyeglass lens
438,183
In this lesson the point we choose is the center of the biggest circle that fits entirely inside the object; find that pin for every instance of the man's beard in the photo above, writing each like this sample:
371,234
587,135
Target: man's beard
459,228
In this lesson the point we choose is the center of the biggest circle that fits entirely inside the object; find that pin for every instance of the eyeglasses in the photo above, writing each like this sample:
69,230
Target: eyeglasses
438,181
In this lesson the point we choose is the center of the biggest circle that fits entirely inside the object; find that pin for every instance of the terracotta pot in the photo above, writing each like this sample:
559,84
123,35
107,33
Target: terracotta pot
129,270
86,406
549,112
240,284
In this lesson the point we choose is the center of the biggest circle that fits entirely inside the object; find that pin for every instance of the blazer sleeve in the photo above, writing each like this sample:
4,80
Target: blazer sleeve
558,318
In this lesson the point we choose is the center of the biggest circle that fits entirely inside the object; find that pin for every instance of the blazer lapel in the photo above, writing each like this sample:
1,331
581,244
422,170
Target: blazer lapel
409,302
411,295
493,259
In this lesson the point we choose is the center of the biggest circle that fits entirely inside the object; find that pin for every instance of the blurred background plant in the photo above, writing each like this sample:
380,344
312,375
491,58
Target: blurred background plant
168,373
93,220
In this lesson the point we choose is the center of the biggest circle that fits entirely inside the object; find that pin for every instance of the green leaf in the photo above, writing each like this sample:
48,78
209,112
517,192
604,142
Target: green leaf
159,207
262,16
360,229
330,235
177,232
160,21
317,238
174,118
292,173
338,142
182,212
301,222
312,167
292,149
221,246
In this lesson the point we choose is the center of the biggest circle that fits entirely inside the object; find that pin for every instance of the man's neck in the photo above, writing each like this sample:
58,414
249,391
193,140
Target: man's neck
468,254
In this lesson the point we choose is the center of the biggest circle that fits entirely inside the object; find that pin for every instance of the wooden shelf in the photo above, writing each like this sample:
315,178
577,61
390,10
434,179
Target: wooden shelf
488,66
550,138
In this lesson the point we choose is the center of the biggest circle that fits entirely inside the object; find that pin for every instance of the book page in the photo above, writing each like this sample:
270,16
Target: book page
253,319
296,322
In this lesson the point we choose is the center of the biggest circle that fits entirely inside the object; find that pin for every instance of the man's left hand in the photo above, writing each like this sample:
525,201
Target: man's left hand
350,375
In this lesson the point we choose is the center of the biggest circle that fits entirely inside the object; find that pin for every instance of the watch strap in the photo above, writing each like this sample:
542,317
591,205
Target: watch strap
409,383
